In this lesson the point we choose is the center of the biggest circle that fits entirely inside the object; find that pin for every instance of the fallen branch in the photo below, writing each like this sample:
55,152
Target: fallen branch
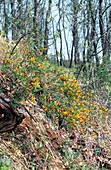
9,119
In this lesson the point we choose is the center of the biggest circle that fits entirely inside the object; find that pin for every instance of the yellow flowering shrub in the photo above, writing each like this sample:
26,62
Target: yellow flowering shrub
55,89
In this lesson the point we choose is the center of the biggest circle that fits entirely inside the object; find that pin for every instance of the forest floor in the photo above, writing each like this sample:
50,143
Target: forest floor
40,144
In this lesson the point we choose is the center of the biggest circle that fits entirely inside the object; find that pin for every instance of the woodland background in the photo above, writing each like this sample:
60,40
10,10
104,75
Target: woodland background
75,33
55,73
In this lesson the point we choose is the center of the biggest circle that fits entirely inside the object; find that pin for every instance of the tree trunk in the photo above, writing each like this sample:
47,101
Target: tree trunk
6,20
101,26
46,33
35,25
12,14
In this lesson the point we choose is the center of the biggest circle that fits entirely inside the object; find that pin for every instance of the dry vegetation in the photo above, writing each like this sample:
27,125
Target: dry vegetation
43,145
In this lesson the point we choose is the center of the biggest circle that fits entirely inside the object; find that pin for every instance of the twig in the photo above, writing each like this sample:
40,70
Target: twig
17,43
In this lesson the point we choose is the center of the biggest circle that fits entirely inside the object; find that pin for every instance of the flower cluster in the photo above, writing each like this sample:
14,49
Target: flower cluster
57,90
66,99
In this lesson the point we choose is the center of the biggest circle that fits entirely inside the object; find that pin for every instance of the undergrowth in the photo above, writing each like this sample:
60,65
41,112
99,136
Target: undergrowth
29,76
32,77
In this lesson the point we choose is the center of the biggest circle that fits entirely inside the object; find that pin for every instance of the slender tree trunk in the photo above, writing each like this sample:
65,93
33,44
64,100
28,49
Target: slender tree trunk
6,20
72,53
46,33
12,13
60,34
75,42
20,25
84,46
35,17
55,43
93,33
65,38
101,26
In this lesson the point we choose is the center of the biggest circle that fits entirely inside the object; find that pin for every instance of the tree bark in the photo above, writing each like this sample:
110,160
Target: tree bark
46,32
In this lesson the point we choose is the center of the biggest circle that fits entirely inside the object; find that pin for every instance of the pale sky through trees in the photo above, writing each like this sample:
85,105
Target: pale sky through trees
83,24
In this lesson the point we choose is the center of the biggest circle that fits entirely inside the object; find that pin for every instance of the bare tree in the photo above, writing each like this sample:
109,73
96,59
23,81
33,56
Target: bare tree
13,16
46,32
6,21
75,41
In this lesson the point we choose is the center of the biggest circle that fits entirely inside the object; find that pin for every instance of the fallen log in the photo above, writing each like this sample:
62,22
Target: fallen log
9,118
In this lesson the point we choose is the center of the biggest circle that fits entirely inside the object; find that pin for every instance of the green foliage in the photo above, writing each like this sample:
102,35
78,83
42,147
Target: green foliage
33,77
29,76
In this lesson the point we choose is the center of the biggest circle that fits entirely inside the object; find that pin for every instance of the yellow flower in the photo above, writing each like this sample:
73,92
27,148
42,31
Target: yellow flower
64,84
44,97
37,84
33,99
77,116
21,74
43,106
81,120
55,102
73,123
46,108
95,136
106,109
32,59
100,111
65,113
9,60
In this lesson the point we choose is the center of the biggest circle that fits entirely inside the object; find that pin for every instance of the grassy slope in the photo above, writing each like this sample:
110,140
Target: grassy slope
42,144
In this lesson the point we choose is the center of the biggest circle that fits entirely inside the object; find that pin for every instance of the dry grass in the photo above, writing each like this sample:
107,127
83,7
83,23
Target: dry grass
41,145
7,47
31,146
